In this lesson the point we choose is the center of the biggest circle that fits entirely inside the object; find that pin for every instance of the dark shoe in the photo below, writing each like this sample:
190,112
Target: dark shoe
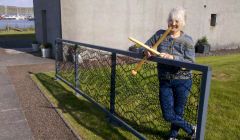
194,134
172,138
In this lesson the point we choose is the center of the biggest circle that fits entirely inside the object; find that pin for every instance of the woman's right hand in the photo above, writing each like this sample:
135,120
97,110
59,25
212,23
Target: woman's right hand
148,54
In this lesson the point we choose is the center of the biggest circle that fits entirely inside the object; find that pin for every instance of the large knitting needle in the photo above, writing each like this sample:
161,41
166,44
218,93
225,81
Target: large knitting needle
154,48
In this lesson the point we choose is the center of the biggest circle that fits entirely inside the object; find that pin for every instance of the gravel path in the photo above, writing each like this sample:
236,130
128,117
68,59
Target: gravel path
44,121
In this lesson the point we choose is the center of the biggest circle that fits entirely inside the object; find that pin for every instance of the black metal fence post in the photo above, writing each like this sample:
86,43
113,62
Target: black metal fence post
56,59
76,69
113,82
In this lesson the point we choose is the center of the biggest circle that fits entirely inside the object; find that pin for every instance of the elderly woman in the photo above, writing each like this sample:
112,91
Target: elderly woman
175,82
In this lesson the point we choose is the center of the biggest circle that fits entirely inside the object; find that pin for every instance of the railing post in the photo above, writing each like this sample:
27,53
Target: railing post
203,105
113,82
56,58
76,70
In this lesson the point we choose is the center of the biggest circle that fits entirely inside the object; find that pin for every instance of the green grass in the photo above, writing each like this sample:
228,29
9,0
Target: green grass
223,120
86,120
136,97
12,33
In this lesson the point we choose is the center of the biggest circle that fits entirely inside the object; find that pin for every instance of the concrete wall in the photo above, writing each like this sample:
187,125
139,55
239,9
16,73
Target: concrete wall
53,20
110,23
225,33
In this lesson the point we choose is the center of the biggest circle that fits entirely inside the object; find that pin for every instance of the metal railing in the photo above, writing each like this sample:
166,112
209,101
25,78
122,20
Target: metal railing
103,76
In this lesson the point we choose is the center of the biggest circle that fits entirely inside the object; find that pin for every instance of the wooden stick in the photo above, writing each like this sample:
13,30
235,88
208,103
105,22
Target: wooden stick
139,64
145,46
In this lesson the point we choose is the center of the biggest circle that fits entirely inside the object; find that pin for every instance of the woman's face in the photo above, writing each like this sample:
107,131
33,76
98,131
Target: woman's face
176,25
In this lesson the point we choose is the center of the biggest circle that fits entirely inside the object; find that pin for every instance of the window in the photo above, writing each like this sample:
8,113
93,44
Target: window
213,19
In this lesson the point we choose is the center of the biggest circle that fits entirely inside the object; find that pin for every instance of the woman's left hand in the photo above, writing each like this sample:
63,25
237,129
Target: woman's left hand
167,56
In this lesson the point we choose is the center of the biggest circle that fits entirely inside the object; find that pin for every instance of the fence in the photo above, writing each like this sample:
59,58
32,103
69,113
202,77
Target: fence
103,76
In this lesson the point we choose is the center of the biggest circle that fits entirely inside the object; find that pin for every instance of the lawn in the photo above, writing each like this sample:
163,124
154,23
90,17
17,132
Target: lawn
13,39
222,123
86,120
8,36
11,32
17,35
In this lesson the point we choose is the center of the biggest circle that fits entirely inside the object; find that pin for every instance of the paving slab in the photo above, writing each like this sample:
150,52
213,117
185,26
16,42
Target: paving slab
4,78
13,122
25,113
22,59
8,98
15,131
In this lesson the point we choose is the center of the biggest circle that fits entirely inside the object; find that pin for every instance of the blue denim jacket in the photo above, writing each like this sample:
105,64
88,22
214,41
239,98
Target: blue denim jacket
182,48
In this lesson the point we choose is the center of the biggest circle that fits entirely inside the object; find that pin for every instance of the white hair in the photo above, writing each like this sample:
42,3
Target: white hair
177,14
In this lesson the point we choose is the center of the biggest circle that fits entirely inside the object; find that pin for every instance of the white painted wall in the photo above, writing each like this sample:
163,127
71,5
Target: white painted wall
110,22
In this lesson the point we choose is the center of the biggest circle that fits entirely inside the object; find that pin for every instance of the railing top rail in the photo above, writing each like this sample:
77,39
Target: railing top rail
191,66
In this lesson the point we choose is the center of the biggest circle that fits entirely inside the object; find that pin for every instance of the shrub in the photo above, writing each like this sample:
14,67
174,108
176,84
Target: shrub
203,41
202,45
34,42
46,45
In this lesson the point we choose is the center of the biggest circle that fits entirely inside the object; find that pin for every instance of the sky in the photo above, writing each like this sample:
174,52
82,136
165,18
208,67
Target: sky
18,3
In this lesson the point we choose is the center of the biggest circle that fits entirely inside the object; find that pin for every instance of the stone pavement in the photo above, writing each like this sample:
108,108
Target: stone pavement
12,120
24,112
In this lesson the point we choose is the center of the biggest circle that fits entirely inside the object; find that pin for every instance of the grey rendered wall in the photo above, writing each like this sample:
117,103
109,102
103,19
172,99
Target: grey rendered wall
111,22
225,33
53,18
